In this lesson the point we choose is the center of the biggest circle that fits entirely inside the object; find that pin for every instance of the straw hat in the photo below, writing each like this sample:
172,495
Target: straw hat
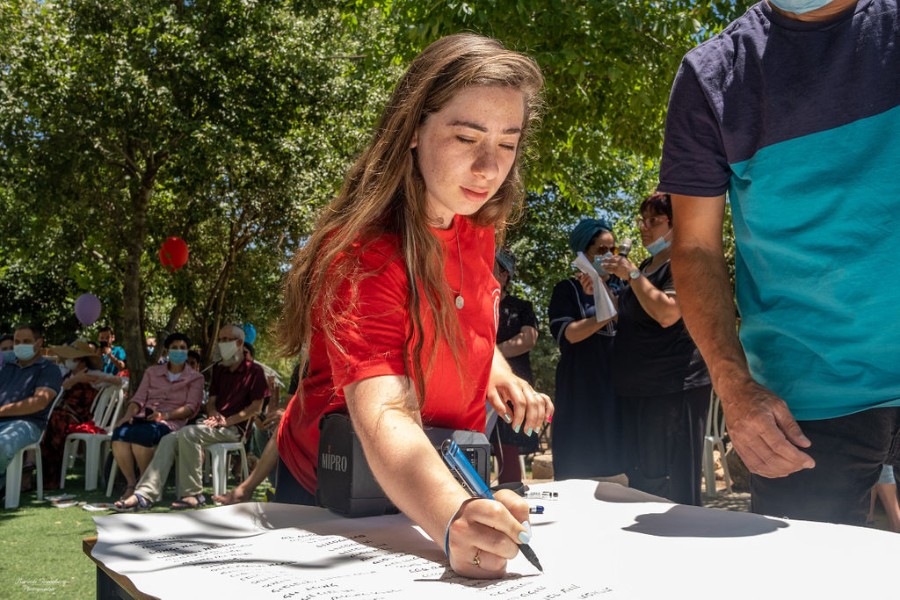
79,349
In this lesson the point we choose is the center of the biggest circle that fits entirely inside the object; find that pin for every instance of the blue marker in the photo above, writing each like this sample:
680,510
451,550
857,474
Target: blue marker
476,486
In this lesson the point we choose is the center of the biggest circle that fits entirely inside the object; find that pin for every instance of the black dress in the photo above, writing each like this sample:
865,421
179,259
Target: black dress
663,386
586,436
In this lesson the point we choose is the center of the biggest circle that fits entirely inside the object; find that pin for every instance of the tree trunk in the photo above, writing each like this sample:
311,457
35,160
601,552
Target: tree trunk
215,303
132,286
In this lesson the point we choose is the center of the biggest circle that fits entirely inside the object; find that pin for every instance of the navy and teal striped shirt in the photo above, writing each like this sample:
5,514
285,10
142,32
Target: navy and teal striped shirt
800,123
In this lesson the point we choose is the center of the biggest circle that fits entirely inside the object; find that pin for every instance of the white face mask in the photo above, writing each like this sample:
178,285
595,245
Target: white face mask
71,364
24,351
228,351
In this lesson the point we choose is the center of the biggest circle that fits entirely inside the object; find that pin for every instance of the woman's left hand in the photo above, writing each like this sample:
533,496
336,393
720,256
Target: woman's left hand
619,266
515,400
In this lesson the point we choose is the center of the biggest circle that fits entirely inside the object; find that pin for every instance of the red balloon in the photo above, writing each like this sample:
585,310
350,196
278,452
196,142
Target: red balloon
173,254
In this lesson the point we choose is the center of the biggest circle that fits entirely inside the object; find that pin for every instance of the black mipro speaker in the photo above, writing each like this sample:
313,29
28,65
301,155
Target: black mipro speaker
346,484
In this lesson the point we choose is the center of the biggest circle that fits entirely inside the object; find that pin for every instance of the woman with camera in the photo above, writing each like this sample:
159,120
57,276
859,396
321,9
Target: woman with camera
660,378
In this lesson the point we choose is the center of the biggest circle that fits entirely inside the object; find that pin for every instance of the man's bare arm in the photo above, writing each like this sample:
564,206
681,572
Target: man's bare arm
760,424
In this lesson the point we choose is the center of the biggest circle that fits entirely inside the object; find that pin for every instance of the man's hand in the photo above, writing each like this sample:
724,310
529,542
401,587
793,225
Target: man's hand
764,432
215,421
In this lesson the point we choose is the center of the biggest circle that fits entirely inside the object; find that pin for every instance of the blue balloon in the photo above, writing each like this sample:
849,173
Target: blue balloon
249,333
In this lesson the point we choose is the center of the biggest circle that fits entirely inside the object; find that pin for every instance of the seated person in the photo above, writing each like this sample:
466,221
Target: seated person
83,380
194,360
27,389
7,354
268,459
169,395
113,356
236,392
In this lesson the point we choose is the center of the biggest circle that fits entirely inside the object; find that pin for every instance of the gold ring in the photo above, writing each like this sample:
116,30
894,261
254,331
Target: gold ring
476,561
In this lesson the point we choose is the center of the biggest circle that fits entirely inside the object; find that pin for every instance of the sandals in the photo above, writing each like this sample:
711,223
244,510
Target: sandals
127,493
184,503
141,504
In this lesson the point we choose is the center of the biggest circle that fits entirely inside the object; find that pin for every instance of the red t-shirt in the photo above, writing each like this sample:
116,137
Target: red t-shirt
374,346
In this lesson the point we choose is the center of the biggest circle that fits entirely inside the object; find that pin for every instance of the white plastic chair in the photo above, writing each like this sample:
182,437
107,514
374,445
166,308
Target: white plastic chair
107,409
218,457
713,441
14,468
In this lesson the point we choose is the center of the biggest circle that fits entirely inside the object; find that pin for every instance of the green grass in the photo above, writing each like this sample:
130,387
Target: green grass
40,545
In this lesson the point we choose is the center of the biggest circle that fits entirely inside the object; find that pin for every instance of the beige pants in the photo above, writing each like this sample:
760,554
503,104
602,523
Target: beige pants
186,445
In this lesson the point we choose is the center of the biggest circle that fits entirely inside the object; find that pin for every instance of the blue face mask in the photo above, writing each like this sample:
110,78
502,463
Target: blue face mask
660,244
600,270
178,357
9,356
24,351
800,6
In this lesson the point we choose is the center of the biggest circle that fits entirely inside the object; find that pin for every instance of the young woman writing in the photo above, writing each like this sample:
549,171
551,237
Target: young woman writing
394,301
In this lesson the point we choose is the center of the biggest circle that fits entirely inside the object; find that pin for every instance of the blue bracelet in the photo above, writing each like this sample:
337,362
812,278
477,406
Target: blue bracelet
447,537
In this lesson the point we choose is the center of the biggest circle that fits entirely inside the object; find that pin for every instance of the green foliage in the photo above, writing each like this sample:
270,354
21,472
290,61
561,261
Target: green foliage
230,124
225,123
608,66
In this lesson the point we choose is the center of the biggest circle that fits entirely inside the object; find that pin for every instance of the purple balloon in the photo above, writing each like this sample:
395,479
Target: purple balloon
87,308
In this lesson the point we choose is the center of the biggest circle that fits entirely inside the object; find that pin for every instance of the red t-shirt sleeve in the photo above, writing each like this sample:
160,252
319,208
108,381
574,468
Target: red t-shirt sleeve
372,337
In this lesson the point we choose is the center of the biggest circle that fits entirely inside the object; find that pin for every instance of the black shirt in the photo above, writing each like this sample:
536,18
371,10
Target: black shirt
516,313
650,359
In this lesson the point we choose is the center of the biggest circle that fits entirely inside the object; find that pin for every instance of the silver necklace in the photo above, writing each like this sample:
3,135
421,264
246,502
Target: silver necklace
460,301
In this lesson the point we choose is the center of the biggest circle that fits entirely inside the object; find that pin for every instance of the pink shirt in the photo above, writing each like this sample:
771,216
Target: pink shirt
158,393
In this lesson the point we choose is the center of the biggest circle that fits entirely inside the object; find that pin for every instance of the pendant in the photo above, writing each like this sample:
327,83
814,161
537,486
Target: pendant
460,302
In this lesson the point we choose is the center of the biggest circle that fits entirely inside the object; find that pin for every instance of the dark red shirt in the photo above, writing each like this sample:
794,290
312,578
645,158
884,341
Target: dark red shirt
234,391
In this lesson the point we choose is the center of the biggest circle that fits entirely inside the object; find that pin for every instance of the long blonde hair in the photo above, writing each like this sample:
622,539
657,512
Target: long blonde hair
384,192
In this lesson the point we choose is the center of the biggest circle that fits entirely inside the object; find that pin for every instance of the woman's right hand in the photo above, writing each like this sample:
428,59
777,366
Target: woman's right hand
490,530
74,379
586,283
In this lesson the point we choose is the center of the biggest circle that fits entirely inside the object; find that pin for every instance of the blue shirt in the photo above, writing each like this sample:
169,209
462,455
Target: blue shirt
800,123
18,383
109,367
